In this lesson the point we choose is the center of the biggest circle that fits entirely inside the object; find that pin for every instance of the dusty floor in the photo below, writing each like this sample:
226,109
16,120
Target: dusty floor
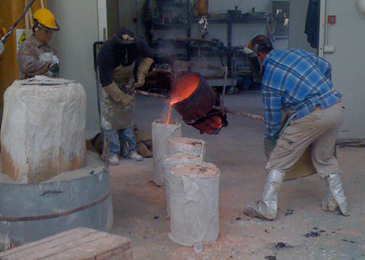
301,231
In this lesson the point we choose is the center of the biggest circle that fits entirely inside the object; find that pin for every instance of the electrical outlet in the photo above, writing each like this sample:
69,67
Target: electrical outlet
329,48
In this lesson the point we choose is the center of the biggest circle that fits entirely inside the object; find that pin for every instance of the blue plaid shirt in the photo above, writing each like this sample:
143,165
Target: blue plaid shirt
294,81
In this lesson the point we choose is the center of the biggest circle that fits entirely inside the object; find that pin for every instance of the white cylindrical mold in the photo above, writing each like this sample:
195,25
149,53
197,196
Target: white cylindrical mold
161,132
194,189
186,145
171,161
43,129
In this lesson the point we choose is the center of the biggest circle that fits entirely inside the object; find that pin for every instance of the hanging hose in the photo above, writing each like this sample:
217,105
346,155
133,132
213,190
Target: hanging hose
150,14
149,11
271,27
3,39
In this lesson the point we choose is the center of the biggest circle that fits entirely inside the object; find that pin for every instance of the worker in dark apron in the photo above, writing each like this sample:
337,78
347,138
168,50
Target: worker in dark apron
116,60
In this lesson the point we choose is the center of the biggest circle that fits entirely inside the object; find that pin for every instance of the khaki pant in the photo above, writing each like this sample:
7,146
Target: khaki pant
320,129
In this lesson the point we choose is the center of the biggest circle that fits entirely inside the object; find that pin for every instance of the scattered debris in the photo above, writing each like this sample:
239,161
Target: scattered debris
312,234
352,144
351,241
281,245
289,212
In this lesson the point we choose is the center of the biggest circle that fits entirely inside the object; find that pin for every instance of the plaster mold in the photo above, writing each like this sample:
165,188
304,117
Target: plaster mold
194,189
186,145
171,161
43,129
161,132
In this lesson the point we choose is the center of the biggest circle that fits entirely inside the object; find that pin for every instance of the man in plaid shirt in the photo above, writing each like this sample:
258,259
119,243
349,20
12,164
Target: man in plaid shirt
299,84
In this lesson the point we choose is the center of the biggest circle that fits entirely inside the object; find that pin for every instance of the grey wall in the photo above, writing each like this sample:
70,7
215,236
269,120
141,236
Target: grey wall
298,15
348,62
74,44
112,16
127,11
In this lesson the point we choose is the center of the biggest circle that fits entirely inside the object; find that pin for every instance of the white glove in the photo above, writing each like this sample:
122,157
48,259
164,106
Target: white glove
49,57
55,63
247,51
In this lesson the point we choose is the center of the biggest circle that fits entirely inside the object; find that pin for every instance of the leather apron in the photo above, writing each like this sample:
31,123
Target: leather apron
113,116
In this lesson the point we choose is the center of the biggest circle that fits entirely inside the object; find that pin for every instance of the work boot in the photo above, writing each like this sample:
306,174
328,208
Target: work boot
135,156
336,190
113,159
329,203
266,208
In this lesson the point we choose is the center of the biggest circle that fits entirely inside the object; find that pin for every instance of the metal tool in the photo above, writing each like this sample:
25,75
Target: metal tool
3,39
224,110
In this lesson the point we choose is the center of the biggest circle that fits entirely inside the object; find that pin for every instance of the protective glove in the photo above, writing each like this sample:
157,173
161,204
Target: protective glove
54,68
131,90
142,71
118,96
269,145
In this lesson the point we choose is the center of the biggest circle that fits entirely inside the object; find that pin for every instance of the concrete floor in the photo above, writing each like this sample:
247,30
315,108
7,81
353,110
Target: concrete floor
300,231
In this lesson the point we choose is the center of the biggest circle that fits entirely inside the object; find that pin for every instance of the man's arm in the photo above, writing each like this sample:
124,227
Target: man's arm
145,53
29,62
273,113
105,62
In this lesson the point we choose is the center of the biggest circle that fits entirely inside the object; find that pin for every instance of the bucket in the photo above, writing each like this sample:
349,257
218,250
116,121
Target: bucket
80,198
197,102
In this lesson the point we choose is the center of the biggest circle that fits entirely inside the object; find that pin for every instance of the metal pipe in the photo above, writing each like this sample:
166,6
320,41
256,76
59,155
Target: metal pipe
224,110
3,39
237,113
148,94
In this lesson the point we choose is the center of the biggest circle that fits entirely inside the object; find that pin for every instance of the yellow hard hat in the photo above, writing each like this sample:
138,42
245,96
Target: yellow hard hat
45,18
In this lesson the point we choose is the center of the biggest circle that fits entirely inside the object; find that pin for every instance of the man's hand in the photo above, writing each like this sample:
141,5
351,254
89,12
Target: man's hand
269,145
54,68
118,95
142,71
139,83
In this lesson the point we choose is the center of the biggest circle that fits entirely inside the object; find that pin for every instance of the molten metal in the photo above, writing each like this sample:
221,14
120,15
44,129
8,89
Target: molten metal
184,88
197,102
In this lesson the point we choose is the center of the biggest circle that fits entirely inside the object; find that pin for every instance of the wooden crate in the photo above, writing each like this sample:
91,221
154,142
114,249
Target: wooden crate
78,243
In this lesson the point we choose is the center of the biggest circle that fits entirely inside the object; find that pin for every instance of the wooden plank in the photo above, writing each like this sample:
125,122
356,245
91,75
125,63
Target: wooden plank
120,255
93,249
124,252
50,245
30,247
79,243
52,249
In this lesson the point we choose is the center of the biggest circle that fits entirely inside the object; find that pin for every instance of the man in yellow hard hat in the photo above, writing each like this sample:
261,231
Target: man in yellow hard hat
35,55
